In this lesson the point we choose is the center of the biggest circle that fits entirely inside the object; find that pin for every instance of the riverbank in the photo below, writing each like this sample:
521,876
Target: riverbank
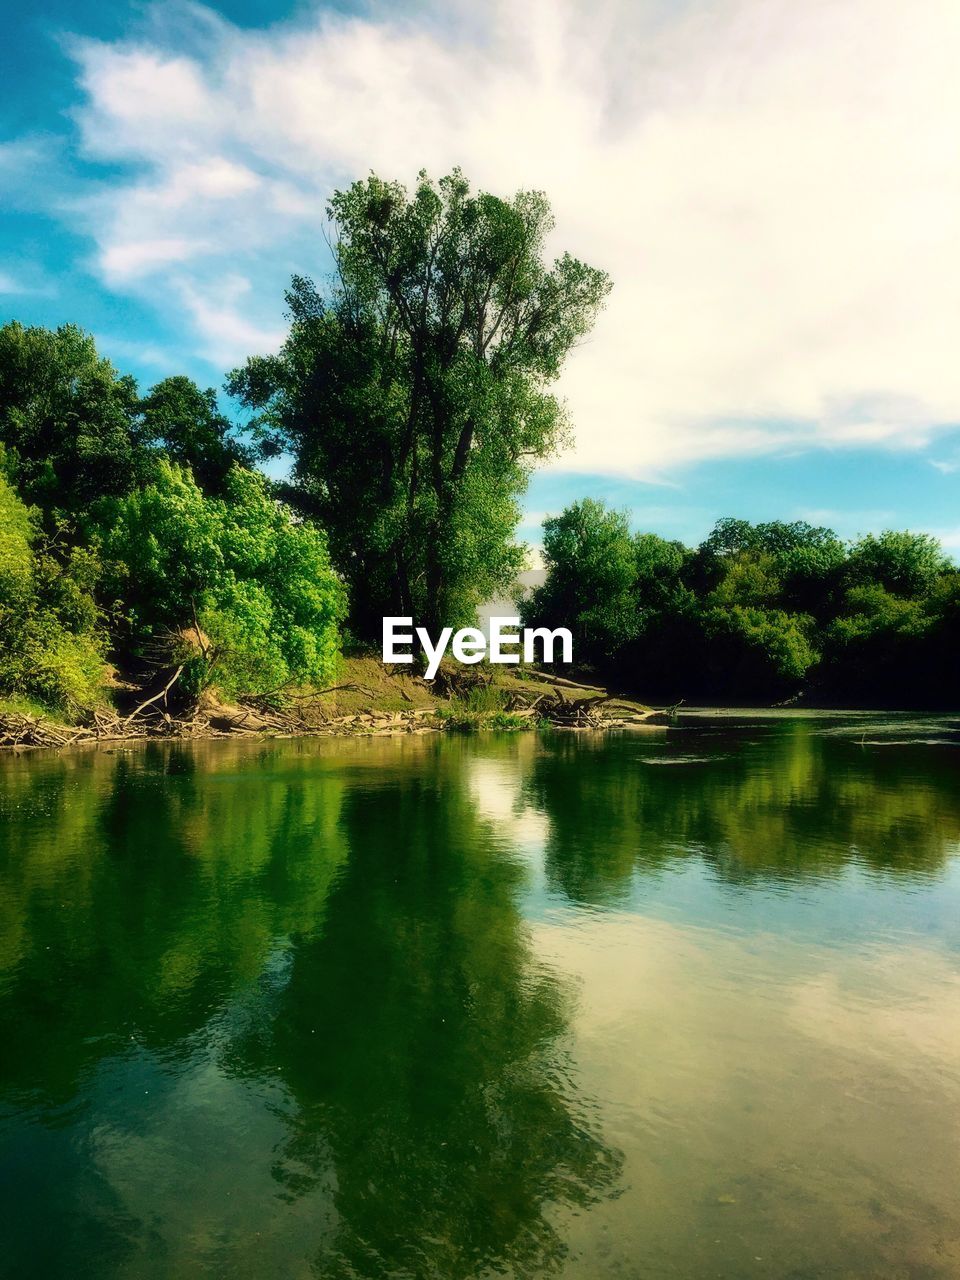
370,699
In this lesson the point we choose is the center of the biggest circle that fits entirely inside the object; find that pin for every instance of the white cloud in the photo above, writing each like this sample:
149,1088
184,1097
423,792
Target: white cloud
218,315
146,353
772,185
135,256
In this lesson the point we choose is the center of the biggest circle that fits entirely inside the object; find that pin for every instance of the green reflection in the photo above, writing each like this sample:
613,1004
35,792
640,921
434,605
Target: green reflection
304,1009
421,1047
325,942
784,801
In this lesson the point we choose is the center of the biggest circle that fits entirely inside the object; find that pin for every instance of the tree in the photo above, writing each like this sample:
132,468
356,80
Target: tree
255,587
731,536
67,418
187,425
757,653
660,568
412,393
591,576
903,563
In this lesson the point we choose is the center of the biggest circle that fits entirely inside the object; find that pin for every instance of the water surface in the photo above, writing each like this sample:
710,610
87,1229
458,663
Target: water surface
680,1004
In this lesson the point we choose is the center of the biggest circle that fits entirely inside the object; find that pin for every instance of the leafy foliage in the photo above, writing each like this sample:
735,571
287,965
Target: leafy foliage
904,564
255,587
76,430
756,612
186,424
192,538
413,395
66,418
591,581
51,636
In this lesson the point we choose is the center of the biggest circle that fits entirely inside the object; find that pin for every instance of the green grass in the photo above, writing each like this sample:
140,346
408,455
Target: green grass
482,708
16,704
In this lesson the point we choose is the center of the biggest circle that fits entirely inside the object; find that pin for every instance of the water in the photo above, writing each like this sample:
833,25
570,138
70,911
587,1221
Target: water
680,1004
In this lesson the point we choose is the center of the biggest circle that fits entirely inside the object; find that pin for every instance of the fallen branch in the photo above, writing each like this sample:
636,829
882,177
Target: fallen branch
156,697
561,680
334,688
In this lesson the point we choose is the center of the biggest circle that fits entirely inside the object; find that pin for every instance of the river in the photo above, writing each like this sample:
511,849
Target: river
679,1003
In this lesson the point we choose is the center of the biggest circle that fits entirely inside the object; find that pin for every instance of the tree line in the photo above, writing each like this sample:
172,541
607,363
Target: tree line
755,613
412,399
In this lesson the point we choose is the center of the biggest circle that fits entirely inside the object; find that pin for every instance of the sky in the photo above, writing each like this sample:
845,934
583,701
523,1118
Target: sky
773,187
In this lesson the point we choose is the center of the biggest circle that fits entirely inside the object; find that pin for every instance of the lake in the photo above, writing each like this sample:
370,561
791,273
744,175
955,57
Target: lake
681,1003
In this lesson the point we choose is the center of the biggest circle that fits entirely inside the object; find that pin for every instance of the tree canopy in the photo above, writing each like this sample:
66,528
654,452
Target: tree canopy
186,424
412,391
412,397
757,612
67,417
126,519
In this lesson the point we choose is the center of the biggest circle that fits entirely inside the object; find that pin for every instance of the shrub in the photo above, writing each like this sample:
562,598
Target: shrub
51,637
238,570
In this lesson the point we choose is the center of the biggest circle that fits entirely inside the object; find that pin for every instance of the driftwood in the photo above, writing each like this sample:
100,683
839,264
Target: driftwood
531,674
18,730
156,697
601,710
259,715
458,682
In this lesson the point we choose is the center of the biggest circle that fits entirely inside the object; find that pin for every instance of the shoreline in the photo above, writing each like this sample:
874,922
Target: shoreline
373,700
20,733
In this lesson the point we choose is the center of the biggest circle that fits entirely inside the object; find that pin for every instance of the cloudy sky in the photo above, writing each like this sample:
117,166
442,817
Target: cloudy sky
773,186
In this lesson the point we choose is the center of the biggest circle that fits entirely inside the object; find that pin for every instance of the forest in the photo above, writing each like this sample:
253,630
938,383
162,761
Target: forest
757,613
409,404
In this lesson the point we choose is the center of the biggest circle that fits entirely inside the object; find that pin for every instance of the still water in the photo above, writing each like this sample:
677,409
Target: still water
681,1003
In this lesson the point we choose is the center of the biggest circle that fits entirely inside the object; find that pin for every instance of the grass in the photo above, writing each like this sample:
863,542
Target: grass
16,705
482,708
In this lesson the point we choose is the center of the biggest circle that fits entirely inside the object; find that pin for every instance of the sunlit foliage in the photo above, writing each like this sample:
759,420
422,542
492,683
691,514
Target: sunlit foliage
51,635
413,390
255,587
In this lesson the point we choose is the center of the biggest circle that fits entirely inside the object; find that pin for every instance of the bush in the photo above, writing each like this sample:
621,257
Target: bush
759,652
237,570
51,638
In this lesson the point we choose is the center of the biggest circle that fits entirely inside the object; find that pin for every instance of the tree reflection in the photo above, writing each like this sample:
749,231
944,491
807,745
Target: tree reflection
342,927
425,1053
141,892
785,801
332,939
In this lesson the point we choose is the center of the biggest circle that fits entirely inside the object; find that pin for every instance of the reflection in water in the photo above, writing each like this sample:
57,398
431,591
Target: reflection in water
345,929
503,1006
791,802
438,1095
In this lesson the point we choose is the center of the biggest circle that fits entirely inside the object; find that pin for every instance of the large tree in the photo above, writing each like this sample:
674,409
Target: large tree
67,418
76,430
412,391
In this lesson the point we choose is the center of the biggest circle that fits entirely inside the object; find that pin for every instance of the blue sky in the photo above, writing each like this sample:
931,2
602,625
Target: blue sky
773,188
